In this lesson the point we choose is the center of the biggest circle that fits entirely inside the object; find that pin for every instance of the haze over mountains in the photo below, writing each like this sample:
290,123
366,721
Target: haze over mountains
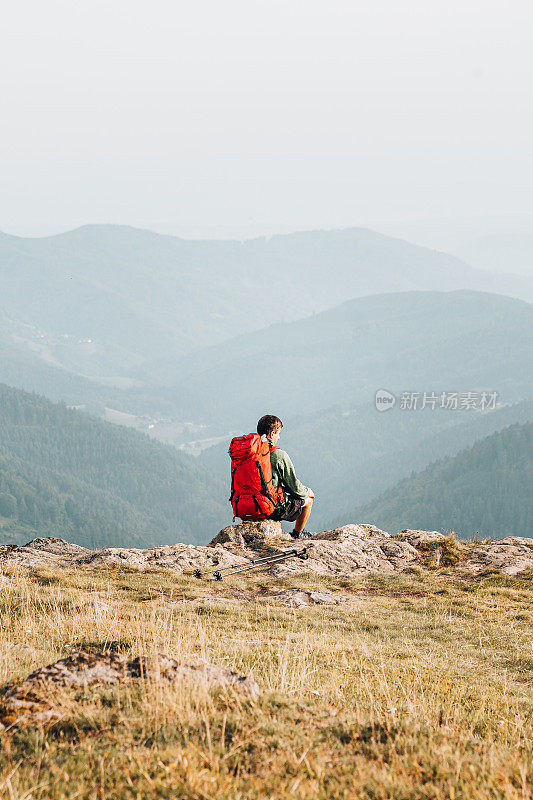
104,300
512,251
407,341
198,339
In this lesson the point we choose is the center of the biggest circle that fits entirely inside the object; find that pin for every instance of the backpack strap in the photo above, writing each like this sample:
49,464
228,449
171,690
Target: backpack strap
264,487
232,484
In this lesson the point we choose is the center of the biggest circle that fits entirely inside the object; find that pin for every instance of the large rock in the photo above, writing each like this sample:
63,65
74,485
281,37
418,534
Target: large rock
28,701
362,530
420,538
252,534
512,555
351,555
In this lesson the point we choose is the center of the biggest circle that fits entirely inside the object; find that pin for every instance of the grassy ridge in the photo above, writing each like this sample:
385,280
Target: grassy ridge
419,688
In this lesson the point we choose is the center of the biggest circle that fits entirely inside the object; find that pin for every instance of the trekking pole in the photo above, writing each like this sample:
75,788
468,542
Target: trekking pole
198,574
302,554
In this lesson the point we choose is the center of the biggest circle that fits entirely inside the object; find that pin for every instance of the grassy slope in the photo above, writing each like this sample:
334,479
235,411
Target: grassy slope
422,688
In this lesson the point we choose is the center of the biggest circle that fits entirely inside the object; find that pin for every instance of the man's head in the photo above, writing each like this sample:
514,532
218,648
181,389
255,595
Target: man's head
269,426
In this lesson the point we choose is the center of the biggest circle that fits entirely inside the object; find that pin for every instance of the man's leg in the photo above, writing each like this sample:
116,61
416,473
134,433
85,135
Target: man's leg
299,522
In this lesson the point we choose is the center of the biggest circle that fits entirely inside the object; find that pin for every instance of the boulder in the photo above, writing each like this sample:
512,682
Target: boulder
350,555
252,534
417,538
512,555
52,544
27,701
364,530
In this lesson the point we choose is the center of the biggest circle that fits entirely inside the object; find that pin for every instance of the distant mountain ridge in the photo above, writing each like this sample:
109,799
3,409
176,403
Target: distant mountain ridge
407,341
109,299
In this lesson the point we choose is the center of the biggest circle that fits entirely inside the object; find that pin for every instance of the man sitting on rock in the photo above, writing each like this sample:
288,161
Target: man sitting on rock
298,498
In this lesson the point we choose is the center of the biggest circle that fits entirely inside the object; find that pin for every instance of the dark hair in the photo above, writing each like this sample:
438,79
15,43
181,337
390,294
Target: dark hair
268,424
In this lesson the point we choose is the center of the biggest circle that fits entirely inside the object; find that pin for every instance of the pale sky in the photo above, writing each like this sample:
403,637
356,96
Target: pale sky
218,118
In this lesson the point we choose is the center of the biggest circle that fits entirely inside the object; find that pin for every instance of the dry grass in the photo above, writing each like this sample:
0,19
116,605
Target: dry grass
447,552
419,688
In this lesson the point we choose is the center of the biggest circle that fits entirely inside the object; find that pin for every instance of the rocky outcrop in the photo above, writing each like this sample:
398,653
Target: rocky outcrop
349,550
512,555
60,553
30,700
345,551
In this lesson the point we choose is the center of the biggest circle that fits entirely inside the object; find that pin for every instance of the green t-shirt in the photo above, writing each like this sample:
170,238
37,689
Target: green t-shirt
283,474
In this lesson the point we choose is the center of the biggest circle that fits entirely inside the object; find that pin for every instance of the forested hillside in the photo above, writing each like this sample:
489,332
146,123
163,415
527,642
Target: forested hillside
484,490
67,474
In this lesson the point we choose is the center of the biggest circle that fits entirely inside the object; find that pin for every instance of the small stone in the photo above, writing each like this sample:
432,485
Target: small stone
300,598
98,605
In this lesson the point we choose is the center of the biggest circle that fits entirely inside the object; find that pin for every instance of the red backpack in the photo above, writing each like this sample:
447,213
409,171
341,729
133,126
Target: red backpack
252,495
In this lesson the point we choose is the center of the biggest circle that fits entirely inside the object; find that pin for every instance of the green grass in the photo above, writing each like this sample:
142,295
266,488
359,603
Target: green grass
421,687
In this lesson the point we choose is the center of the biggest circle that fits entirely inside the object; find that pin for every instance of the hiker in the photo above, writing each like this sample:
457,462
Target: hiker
263,482
298,498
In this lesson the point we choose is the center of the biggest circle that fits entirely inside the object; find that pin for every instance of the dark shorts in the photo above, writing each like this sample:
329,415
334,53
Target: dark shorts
293,509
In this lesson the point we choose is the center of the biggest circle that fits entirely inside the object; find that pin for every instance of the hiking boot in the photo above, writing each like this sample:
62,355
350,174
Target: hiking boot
302,534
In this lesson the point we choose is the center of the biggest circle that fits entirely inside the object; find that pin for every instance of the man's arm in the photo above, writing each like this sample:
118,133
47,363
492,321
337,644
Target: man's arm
288,476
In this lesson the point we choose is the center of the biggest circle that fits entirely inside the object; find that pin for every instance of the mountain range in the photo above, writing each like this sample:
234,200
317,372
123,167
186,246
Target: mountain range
105,301
406,341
